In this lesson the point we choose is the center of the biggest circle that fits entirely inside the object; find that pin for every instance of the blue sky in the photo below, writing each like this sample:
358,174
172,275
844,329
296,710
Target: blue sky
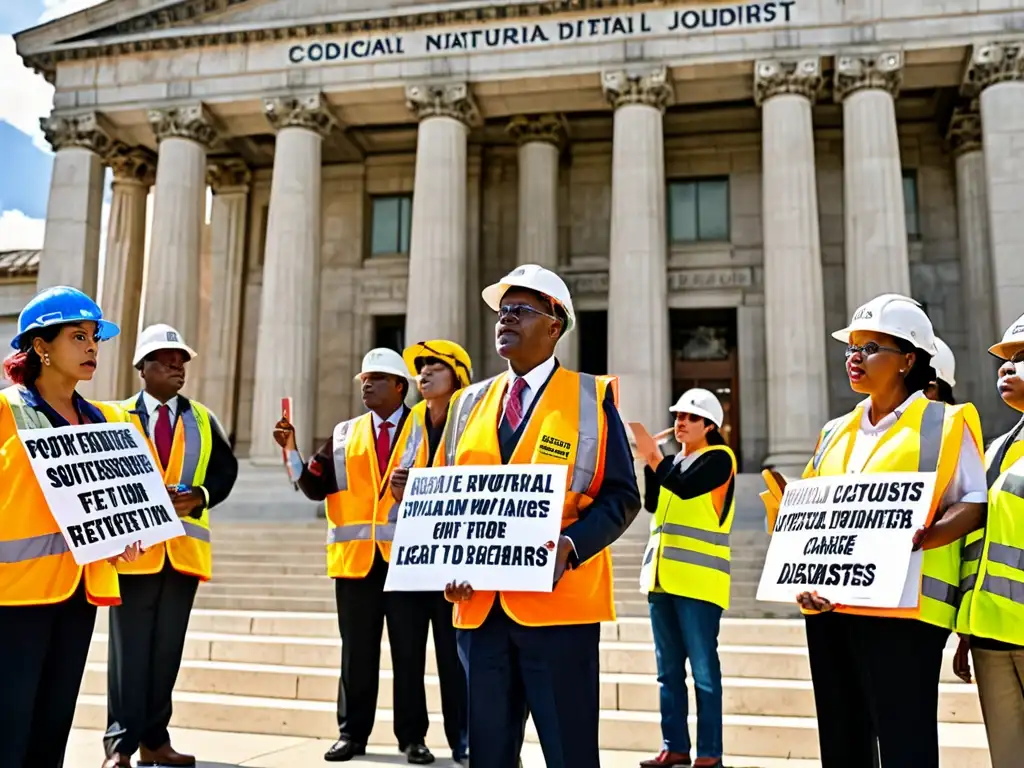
24,98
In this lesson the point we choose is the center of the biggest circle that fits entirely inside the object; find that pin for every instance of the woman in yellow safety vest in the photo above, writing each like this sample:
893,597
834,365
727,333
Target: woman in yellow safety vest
941,389
686,572
47,601
876,671
991,616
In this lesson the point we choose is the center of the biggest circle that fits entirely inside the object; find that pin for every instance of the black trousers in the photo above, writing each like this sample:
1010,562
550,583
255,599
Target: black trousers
363,608
147,638
44,648
874,678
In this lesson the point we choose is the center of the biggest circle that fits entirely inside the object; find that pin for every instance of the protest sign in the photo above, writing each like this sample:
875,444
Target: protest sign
849,538
494,527
102,487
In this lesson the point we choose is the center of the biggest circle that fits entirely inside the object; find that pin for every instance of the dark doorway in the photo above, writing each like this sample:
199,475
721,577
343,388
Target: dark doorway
389,332
592,328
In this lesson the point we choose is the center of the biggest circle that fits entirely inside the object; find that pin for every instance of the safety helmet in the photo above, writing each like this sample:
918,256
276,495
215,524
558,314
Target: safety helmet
157,337
898,316
700,402
58,306
447,352
383,360
535,278
944,363
1012,339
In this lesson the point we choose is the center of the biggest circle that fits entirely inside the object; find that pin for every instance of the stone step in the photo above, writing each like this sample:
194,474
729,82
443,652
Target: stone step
963,744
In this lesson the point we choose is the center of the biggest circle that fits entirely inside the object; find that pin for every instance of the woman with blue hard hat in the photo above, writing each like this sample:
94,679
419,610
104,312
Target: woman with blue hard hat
47,601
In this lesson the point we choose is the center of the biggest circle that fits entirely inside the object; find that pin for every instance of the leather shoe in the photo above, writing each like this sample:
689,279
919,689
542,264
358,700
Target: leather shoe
343,750
418,754
118,761
164,756
666,758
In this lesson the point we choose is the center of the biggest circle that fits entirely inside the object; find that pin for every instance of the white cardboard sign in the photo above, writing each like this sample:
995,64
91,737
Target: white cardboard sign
102,487
496,527
849,538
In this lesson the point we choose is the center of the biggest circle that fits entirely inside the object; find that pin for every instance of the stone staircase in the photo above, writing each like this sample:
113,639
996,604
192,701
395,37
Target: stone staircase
263,652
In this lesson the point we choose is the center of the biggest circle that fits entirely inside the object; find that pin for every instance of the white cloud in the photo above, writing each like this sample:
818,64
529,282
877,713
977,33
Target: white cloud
19,232
24,95
57,8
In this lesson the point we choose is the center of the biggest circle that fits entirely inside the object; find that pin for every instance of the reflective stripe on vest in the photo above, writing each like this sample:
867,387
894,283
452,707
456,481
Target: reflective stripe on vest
341,435
193,447
928,461
351,532
386,531
20,550
194,531
1007,555
459,416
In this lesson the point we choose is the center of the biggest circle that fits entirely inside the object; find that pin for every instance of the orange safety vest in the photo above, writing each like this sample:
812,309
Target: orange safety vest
927,437
361,515
36,566
190,455
570,409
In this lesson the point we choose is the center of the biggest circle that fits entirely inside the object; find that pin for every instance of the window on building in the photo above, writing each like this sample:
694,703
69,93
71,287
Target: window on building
389,332
390,224
592,328
910,205
698,210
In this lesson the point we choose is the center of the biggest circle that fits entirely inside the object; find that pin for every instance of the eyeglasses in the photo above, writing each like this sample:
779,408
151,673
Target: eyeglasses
517,310
869,349
693,418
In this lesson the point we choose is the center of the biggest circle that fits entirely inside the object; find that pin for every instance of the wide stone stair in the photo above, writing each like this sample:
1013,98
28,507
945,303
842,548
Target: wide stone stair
263,652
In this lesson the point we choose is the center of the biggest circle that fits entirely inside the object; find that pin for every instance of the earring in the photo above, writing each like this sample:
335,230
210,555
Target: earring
46,358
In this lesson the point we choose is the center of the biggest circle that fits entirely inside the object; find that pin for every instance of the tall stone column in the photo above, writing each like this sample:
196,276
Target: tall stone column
876,227
996,74
437,247
230,181
134,172
638,337
793,289
286,346
71,244
179,212
540,140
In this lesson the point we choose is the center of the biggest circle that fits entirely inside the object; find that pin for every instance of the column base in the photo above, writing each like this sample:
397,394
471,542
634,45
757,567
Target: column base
790,464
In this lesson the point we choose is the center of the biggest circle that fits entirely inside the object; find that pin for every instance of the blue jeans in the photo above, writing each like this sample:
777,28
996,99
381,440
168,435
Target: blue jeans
685,628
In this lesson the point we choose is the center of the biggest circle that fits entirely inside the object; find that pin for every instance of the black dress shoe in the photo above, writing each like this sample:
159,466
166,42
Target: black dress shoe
343,750
418,754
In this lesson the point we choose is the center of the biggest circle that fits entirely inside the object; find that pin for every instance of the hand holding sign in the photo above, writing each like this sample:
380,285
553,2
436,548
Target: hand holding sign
457,593
399,477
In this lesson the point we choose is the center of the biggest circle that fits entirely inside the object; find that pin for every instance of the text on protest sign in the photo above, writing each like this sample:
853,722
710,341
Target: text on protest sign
494,527
102,487
849,538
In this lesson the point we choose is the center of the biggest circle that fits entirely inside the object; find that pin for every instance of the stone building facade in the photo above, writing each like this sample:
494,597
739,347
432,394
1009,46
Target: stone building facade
719,183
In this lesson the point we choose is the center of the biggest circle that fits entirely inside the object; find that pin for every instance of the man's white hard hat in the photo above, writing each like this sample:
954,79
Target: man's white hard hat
1012,339
700,402
944,363
157,337
898,316
538,279
383,360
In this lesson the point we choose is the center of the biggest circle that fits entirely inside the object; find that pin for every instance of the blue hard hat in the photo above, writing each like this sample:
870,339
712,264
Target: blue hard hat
58,306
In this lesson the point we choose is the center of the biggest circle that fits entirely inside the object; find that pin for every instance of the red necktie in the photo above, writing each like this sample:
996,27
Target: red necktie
162,434
514,406
383,446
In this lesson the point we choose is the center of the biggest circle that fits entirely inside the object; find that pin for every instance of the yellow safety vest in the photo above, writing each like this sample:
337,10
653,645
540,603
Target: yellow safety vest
926,438
992,573
36,566
692,555
190,458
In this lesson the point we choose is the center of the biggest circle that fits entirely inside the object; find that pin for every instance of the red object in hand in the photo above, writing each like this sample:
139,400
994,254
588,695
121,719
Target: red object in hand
286,414
549,546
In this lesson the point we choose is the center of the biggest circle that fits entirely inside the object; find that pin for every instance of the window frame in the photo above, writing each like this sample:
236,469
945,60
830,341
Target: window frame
404,233
696,182
911,175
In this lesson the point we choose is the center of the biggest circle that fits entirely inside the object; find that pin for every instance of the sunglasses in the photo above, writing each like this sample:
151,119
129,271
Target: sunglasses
869,349
445,357
517,311
693,418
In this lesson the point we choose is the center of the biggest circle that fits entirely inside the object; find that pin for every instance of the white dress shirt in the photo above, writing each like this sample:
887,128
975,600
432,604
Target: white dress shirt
534,381
151,404
968,483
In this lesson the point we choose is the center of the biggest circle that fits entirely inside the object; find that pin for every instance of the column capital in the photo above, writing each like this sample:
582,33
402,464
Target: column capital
653,88
310,111
228,174
550,129
991,63
188,122
89,131
883,71
132,165
964,133
773,77
452,100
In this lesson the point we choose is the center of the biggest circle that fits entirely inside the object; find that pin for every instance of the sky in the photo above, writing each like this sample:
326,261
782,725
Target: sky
24,98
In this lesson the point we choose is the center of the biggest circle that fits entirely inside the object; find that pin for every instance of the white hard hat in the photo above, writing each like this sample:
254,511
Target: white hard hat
383,360
944,363
157,337
1014,337
700,402
898,316
536,278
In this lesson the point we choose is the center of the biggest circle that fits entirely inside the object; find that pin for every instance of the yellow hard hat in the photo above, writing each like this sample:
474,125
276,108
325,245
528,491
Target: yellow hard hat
447,352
